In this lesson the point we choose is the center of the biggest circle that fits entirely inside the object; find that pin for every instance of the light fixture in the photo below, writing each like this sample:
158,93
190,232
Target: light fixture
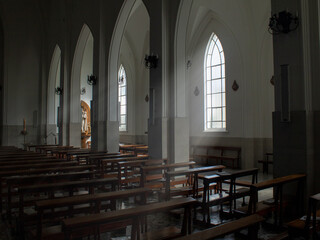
235,85
58,90
283,22
92,80
83,91
151,61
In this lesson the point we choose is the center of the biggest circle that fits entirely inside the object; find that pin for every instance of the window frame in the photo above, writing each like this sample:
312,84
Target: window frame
124,84
214,59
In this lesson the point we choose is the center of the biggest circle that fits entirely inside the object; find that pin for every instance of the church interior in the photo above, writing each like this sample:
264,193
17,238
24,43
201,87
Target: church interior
159,119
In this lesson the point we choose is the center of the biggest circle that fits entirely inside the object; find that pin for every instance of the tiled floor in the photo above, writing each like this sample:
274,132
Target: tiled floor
162,220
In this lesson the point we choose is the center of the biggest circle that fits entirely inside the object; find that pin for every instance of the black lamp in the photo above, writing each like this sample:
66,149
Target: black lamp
92,80
283,22
58,90
151,61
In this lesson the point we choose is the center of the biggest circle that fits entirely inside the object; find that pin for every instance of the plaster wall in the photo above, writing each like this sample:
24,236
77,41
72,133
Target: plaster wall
249,62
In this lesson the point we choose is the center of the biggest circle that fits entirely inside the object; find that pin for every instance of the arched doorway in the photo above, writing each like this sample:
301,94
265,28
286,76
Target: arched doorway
81,90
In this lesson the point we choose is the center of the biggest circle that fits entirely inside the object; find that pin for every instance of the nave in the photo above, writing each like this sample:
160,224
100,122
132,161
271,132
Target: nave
128,196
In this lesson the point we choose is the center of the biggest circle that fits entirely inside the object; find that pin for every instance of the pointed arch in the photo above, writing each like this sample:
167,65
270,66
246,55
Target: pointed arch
53,82
75,88
214,85
113,60
122,93
75,113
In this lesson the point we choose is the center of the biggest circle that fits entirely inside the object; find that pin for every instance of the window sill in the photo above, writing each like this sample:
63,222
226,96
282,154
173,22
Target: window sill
217,130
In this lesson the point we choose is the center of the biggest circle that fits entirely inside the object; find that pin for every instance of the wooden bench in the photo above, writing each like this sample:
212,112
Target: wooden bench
265,162
191,174
96,223
18,181
97,158
251,222
38,171
70,187
221,154
51,209
38,165
277,204
153,177
309,224
109,164
232,194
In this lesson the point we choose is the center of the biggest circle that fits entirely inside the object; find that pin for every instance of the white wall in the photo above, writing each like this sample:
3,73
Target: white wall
86,70
134,46
242,29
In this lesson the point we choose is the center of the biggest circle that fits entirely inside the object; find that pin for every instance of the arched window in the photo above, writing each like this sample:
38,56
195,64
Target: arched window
214,86
122,86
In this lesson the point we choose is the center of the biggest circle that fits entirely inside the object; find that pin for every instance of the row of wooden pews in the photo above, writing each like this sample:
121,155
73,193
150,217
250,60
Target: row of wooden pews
74,193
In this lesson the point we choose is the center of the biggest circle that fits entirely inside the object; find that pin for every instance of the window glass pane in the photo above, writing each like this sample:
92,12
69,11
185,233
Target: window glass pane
216,72
216,114
123,109
209,101
223,85
123,119
211,47
223,99
208,73
208,87
219,46
123,100
209,116
216,125
214,77
215,57
216,86
216,100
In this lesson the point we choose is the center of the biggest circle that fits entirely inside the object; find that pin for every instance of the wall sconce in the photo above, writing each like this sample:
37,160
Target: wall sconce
92,80
235,85
146,98
283,22
83,91
272,80
151,61
58,90
196,91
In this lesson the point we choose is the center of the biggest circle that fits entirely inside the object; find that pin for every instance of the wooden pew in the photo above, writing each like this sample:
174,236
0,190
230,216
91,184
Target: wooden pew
109,164
193,173
129,171
95,223
39,171
277,206
18,181
307,225
38,165
70,187
265,162
153,176
94,200
97,158
232,194
39,145
251,222
221,154
31,161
